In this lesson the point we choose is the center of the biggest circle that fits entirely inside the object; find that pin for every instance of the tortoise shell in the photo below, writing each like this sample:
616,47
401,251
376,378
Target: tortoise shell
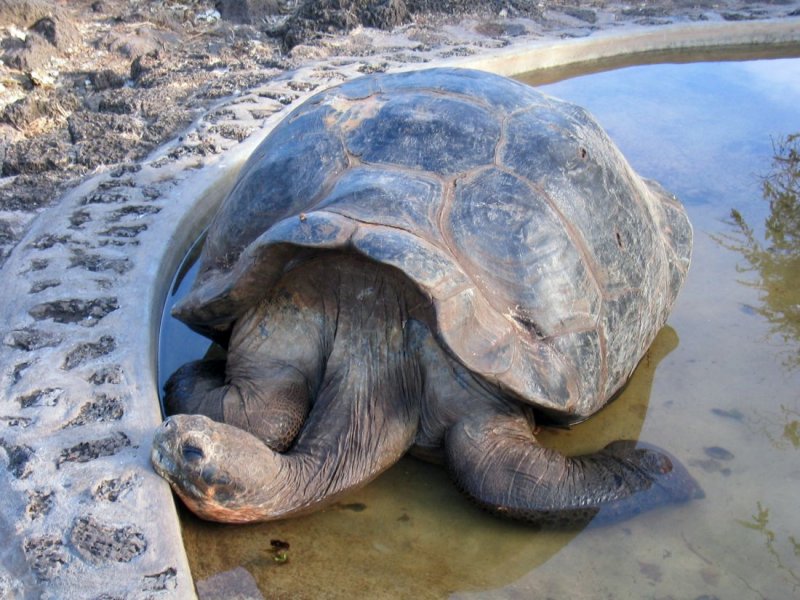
550,264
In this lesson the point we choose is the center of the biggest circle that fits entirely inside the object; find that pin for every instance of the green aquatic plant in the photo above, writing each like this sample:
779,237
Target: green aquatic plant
760,522
782,189
789,436
791,431
775,260
279,551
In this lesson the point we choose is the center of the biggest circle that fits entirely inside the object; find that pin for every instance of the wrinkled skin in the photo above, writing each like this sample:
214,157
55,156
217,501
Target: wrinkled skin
335,375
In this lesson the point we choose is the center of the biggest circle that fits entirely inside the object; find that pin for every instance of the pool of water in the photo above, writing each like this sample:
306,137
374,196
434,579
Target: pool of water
720,388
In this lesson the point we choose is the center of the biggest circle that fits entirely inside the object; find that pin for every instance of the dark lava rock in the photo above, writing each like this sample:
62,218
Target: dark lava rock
84,352
79,218
144,64
732,16
312,18
103,408
124,231
111,374
587,15
106,79
164,580
42,285
135,211
645,11
16,376
30,338
124,101
75,310
98,542
24,13
97,263
29,193
59,30
46,555
50,152
51,32
110,490
86,451
27,110
500,29
21,422
39,504
91,149
48,240
29,55
140,42
39,264
18,459
6,233
249,12
43,397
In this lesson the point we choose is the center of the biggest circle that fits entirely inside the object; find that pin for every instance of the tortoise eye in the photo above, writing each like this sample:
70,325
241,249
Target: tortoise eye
192,453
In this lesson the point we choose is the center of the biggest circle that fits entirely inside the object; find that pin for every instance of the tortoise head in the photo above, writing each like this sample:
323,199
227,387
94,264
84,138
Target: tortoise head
219,471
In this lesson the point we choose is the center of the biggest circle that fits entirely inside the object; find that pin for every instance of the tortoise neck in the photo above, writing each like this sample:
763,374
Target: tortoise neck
365,396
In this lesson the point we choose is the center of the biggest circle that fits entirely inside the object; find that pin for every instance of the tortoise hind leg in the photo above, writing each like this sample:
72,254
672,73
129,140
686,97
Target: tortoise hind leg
496,460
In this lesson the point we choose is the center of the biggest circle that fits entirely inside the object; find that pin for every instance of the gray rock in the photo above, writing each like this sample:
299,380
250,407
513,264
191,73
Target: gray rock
32,54
59,30
248,12
97,542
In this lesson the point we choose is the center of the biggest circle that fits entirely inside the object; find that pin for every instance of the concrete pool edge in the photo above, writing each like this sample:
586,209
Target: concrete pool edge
90,515
637,41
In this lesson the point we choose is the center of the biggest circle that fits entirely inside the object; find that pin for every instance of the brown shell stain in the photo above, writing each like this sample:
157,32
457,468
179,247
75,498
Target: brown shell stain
349,114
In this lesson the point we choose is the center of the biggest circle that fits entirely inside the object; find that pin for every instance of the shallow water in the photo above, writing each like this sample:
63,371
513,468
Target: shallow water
720,389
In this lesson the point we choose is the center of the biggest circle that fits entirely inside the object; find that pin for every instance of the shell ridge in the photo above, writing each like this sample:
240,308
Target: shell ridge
588,261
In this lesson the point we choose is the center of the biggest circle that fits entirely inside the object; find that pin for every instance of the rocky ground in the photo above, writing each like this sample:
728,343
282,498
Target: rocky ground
89,84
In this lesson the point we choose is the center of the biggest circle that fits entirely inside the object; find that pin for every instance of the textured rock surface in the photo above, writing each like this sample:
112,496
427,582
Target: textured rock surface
83,514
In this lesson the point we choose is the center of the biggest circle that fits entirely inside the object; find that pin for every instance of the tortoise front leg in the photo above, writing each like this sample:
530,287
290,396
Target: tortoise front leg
496,460
272,403
331,334
361,423
275,359
196,388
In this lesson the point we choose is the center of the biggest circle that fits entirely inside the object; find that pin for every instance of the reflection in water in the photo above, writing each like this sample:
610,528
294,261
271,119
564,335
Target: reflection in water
777,261
791,431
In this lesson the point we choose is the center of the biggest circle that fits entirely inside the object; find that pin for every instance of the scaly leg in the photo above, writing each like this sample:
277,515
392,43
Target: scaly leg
495,459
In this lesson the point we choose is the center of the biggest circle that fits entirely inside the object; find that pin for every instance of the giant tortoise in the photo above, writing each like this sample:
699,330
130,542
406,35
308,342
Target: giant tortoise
436,262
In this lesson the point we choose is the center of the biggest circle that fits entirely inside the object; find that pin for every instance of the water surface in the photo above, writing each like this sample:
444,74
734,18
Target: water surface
720,389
